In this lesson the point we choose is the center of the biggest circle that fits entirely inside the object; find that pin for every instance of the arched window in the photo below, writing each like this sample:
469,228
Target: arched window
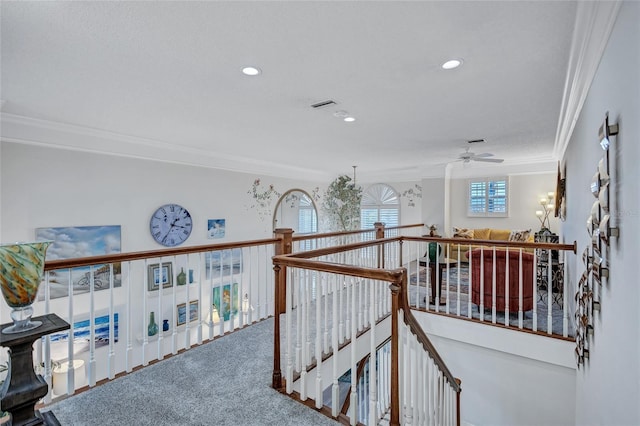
380,203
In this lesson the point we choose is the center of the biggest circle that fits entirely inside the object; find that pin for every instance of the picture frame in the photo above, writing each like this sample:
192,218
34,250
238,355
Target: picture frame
226,299
154,276
181,312
81,241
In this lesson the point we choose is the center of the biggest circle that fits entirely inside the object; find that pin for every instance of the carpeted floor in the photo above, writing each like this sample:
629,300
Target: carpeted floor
225,382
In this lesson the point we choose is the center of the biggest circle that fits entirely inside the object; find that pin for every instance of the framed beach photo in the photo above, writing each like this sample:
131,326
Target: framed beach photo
182,312
157,276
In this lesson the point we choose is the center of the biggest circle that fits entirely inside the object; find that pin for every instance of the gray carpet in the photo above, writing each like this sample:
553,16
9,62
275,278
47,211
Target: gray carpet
225,382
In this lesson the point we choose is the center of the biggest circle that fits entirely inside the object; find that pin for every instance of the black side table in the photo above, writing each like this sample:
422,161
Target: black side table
22,388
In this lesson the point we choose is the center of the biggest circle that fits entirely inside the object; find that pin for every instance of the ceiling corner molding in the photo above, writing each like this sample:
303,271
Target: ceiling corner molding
33,131
593,26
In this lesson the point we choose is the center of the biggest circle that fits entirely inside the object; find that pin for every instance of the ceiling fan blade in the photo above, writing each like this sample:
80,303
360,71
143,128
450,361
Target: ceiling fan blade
484,154
489,160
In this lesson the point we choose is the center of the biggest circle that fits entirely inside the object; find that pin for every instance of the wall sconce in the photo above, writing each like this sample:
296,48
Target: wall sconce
547,208
605,131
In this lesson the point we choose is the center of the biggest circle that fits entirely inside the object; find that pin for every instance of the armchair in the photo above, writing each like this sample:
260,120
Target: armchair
486,296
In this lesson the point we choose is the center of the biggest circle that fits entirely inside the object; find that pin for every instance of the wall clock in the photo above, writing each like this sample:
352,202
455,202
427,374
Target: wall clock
170,225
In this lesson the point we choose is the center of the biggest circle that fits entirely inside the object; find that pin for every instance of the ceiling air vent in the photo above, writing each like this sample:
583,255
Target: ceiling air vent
476,141
323,104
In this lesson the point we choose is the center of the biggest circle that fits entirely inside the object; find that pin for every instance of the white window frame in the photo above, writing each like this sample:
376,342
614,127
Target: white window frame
371,201
487,197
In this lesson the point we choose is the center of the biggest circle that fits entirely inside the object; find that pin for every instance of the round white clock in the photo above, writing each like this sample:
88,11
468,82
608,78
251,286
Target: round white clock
171,225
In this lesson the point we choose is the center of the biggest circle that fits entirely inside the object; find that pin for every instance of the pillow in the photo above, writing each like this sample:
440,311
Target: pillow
482,233
520,236
462,233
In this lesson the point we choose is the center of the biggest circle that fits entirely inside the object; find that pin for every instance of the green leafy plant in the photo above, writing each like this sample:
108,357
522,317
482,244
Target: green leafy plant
341,204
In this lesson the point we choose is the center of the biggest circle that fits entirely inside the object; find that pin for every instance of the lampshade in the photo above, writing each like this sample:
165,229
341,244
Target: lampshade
60,376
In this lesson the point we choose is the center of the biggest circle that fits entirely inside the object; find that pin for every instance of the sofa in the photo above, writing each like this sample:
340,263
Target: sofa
483,277
460,250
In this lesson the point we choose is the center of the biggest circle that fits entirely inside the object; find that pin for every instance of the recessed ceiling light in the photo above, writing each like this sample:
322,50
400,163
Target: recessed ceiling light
451,64
349,119
251,71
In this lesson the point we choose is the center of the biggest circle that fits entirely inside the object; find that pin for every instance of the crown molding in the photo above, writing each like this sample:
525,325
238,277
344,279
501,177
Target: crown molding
593,26
39,132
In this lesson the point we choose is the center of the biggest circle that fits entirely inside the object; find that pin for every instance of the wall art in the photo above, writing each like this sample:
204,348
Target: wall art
222,263
181,311
157,276
82,335
80,241
215,228
227,300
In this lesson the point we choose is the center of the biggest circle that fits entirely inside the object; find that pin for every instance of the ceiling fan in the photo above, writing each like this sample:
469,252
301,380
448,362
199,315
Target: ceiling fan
467,156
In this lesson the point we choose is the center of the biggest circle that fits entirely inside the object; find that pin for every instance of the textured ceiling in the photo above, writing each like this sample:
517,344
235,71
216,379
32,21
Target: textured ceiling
168,74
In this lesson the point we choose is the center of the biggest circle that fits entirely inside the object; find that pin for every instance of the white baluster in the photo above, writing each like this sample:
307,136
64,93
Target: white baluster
129,350
92,328
507,284
319,389
373,396
111,360
288,332
354,366
335,394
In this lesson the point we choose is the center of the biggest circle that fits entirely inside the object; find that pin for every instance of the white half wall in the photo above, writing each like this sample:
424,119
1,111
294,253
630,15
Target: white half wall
508,377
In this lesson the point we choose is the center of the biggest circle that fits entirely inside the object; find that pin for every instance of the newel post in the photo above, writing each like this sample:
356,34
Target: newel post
380,235
395,341
284,246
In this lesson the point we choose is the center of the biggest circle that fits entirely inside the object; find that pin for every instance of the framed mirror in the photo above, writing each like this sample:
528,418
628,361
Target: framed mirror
296,210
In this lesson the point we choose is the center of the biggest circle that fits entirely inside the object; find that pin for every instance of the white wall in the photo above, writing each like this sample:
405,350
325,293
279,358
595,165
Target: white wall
433,203
508,377
44,187
608,386
525,192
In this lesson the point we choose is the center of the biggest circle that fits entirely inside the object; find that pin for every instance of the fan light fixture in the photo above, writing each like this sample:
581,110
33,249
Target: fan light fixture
251,71
451,64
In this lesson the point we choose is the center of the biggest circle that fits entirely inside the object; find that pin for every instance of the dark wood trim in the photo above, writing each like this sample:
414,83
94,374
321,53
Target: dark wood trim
151,254
347,401
459,382
388,275
498,243
342,233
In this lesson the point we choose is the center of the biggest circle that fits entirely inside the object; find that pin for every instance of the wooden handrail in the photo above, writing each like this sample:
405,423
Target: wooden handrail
150,254
341,233
498,243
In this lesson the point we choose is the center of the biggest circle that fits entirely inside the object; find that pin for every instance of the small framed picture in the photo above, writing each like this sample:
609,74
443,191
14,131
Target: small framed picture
156,276
182,312
215,228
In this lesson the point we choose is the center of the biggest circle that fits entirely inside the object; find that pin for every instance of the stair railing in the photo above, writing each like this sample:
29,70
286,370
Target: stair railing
357,284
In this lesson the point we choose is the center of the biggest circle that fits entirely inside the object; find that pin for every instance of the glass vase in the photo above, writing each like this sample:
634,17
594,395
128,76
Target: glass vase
21,269
152,328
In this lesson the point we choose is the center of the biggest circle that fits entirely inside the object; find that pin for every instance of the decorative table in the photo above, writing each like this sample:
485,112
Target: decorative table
22,388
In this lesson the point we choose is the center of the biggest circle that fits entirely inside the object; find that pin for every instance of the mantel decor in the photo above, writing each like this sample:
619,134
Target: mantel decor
595,257
21,268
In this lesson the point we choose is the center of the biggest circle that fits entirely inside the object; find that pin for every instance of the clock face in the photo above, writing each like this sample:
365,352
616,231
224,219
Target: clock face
171,225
